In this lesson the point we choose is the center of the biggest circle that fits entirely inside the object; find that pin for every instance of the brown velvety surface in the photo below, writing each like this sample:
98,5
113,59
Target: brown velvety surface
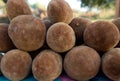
60,37
101,35
15,64
117,23
59,11
0,63
17,7
79,24
111,64
27,32
5,42
47,66
82,63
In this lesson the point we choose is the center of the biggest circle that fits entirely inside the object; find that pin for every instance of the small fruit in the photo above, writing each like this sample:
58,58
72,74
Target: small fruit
111,64
47,66
59,11
60,37
5,42
79,24
17,7
16,64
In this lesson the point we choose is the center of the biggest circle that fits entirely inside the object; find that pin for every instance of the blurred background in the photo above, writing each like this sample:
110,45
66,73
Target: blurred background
92,9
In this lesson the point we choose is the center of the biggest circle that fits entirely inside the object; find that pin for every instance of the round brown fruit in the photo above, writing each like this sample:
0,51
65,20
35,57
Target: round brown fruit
79,24
101,35
116,22
5,41
47,66
17,7
59,11
16,64
60,37
82,63
0,61
27,32
111,64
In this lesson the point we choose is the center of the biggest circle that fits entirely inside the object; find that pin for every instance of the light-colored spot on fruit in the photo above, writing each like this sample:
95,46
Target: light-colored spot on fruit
15,29
23,31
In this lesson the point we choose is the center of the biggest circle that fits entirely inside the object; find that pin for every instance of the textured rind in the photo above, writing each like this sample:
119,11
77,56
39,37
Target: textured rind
101,35
60,37
15,64
0,63
5,42
17,7
82,63
59,11
117,23
79,24
47,66
27,32
111,64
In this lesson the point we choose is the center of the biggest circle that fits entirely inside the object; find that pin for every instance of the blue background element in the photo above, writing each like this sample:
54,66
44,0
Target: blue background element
30,78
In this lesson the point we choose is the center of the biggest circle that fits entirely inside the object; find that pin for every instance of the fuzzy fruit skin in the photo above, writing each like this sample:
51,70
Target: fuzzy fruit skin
111,64
15,64
82,63
5,42
59,11
47,65
117,23
60,37
101,35
79,24
0,63
17,7
27,32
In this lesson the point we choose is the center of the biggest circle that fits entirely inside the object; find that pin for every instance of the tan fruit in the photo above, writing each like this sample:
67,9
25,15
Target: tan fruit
0,62
60,37
5,42
117,23
47,66
59,11
82,63
111,64
27,32
79,24
17,7
16,64
101,35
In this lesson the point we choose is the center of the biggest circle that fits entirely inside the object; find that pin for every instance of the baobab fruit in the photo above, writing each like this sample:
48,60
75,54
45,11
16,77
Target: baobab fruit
5,42
16,64
47,66
59,11
111,64
47,23
0,61
17,7
116,22
27,32
79,24
101,35
60,37
82,63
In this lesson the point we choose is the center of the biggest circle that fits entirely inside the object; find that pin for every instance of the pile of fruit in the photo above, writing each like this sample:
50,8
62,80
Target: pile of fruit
60,43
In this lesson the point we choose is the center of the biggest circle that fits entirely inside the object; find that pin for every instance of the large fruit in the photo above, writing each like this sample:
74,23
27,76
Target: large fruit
27,32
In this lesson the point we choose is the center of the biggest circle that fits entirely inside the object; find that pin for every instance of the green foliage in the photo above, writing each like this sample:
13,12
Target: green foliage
97,3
